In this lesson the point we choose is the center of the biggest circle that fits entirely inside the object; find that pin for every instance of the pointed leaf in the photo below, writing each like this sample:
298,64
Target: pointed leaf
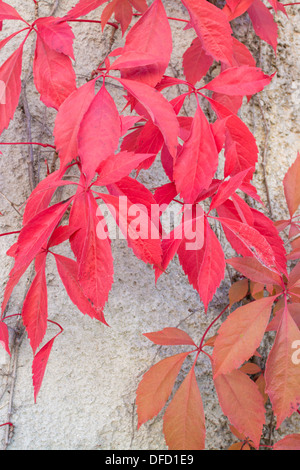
184,420
7,12
291,186
68,271
39,366
253,240
156,386
282,370
196,62
116,167
212,28
68,121
143,59
169,336
254,270
240,335
242,80
242,403
263,23
36,232
99,133
10,75
57,35
83,7
54,76
290,442
159,110
35,307
4,336
197,162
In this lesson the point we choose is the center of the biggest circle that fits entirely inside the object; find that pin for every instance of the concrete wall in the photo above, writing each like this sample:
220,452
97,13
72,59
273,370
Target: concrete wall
87,400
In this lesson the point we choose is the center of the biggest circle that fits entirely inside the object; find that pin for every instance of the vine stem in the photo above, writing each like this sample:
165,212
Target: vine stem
28,143
94,21
9,233
169,18
210,326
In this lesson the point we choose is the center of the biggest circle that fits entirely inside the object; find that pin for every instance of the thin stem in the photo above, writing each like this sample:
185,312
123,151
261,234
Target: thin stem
94,21
9,233
28,143
210,326
169,18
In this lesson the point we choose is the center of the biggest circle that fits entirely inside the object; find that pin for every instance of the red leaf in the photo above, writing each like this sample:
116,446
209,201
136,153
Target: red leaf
196,62
290,442
57,35
142,58
68,120
116,167
291,186
123,13
212,28
10,75
39,365
263,23
238,291
197,162
282,371
227,188
4,336
205,267
91,247
36,232
184,420
241,151
242,403
240,335
242,55
169,336
141,233
212,270
237,10
54,76
14,277
99,133
165,194
159,110
266,227
68,271
7,12
253,240
254,270
83,7
242,80
190,231
41,196
145,139
156,386
35,308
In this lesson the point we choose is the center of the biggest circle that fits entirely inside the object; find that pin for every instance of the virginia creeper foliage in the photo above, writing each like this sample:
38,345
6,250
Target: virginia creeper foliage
105,145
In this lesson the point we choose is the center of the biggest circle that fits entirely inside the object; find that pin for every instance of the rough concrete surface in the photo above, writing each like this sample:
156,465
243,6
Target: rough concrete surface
87,400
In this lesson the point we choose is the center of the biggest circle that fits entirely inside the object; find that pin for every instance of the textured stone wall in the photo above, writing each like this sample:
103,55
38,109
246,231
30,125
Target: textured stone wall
87,400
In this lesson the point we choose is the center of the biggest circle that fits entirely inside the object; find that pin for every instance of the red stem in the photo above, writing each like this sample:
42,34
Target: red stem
169,18
209,327
6,424
95,21
9,233
28,143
